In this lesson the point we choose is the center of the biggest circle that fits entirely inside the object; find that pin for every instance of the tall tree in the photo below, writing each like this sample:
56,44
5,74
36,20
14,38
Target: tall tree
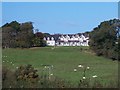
103,39
25,34
15,34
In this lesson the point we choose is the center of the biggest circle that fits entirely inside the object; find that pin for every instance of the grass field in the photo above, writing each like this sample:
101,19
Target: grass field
64,60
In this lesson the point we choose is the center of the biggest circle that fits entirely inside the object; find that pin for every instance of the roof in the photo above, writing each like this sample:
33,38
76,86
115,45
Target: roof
56,36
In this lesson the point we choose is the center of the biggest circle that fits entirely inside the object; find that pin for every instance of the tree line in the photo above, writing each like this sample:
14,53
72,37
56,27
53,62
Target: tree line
105,39
21,35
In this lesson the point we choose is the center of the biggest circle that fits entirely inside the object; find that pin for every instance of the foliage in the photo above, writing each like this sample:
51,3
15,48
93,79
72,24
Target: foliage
23,77
26,77
38,40
104,39
8,77
26,73
20,35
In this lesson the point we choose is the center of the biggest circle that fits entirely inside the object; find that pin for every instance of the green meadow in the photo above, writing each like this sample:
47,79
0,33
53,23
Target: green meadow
64,61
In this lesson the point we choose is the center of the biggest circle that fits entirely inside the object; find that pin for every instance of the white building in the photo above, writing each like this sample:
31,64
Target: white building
67,40
50,42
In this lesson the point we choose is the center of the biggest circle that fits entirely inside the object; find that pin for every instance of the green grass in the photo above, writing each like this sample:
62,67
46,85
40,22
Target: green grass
64,60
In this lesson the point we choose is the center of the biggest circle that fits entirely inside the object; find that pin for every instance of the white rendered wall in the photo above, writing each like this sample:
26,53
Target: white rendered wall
50,42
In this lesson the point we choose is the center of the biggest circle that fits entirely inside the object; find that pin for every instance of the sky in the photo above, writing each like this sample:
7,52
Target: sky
60,0
60,17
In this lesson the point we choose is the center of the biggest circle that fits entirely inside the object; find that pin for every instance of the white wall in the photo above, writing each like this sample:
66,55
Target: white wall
65,43
50,42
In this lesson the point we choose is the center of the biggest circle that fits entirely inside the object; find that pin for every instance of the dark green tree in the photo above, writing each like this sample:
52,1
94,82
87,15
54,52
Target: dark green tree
38,39
15,35
7,37
104,39
25,34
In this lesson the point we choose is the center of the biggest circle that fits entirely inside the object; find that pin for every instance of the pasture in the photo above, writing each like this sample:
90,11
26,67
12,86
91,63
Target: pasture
64,61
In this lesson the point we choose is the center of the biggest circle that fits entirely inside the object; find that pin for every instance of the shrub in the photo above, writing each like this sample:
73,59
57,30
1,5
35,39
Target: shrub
8,78
27,77
26,73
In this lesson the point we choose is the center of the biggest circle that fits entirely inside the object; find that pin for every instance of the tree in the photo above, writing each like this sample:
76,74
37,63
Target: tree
7,35
15,25
47,34
25,34
15,35
38,39
103,39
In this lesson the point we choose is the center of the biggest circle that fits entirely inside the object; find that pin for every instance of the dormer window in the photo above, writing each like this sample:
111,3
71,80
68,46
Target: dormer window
44,38
52,38
48,38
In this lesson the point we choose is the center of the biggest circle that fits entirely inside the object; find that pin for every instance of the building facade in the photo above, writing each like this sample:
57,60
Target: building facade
67,40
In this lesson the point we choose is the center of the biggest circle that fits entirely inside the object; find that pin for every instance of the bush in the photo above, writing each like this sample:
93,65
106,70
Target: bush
8,78
26,73
27,77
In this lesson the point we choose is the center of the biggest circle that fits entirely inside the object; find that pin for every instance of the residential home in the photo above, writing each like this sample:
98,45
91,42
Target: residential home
67,40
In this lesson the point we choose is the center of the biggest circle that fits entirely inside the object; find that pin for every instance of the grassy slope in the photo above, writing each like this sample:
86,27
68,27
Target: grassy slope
64,60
